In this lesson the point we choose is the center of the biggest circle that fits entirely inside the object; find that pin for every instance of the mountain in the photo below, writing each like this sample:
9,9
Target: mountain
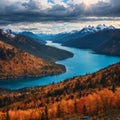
8,33
110,46
100,27
16,63
22,56
61,37
95,96
104,42
46,37
101,39
33,36
34,47
64,37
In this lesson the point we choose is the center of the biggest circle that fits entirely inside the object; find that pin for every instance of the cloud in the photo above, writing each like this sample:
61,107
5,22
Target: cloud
102,8
58,27
15,11
115,8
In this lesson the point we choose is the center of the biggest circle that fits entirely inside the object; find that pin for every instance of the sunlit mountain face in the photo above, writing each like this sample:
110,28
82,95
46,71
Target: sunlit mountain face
55,16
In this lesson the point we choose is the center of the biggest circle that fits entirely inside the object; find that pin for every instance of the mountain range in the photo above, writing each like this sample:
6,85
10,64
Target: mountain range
33,36
75,34
22,56
33,46
94,96
101,39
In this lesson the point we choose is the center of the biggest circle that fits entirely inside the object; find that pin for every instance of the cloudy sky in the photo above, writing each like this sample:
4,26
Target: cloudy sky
54,16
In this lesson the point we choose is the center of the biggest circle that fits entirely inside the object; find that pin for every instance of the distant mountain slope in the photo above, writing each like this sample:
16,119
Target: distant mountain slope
33,36
15,63
75,35
111,46
45,37
105,42
59,38
34,47
101,39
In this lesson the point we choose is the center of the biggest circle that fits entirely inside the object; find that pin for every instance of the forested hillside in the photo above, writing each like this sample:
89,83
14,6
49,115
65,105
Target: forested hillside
16,63
95,95
34,47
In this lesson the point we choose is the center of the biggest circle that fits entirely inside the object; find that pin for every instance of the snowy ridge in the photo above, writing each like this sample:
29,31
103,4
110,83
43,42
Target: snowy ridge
8,33
100,27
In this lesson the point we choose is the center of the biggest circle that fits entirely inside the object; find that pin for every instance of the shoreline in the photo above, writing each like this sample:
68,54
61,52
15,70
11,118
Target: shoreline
66,80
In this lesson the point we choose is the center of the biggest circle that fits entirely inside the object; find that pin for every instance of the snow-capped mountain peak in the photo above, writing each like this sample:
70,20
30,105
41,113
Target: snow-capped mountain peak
100,27
104,27
112,27
8,33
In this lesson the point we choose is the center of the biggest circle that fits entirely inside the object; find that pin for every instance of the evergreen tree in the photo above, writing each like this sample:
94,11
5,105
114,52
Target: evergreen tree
84,110
75,106
113,88
46,113
7,116
42,116
58,111
103,80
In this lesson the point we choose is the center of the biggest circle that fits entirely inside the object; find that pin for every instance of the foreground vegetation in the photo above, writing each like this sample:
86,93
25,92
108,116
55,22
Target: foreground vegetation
97,105
95,95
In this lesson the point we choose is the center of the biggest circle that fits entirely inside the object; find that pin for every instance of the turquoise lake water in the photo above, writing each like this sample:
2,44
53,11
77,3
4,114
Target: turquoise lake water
83,62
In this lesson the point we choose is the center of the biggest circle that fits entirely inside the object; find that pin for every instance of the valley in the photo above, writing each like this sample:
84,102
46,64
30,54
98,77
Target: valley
59,81
60,60
83,62
23,57
95,95
34,47
101,39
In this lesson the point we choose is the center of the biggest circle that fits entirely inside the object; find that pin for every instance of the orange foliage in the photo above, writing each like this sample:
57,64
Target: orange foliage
95,103
16,63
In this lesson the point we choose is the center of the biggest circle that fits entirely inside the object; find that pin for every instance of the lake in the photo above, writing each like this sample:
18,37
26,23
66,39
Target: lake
83,62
